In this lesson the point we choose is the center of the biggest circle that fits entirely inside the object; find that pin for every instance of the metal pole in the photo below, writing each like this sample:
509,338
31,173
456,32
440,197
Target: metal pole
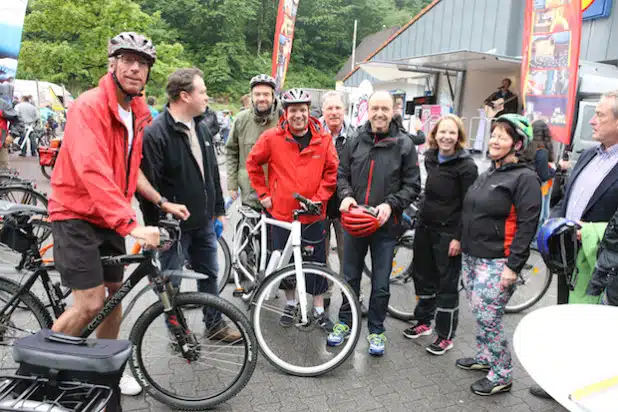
354,46
38,96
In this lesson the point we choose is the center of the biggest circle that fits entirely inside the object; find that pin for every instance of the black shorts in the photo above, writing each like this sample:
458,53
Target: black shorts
78,248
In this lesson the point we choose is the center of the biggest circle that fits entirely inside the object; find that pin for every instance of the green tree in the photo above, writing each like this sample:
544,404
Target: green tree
66,41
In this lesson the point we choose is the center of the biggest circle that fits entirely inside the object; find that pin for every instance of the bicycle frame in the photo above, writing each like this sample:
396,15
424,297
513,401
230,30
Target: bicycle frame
292,249
149,266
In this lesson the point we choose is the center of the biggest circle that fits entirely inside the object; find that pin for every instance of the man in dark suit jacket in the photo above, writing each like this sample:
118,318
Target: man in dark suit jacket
592,188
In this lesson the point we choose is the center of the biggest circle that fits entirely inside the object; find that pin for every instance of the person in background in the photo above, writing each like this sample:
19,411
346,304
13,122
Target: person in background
7,114
226,124
437,248
246,130
499,219
151,102
541,152
415,133
29,116
210,118
245,102
511,103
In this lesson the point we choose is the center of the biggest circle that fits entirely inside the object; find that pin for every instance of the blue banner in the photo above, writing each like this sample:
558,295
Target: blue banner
12,13
596,9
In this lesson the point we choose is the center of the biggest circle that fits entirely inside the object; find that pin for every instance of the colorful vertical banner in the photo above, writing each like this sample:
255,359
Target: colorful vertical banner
284,36
552,34
12,13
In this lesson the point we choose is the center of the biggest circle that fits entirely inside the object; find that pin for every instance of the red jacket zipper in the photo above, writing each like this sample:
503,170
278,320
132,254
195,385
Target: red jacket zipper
369,182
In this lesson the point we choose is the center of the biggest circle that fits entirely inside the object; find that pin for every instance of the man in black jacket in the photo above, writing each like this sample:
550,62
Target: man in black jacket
180,161
379,168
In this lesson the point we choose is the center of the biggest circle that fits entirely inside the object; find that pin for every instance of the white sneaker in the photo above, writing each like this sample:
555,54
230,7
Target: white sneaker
129,386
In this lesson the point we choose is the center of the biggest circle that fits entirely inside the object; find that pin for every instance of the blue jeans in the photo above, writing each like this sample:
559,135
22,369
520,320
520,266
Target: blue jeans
382,246
199,247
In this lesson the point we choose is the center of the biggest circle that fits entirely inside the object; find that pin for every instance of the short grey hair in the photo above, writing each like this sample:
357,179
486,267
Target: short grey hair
612,95
330,94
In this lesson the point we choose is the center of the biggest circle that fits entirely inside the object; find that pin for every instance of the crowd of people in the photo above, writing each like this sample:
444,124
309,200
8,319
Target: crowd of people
478,227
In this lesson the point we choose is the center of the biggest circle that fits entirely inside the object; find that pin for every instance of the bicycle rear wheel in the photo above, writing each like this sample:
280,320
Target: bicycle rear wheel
216,372
224,257
27,316
23,195
301,350
532,284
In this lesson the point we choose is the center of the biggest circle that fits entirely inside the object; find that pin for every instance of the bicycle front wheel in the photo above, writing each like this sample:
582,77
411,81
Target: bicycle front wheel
217,369
224,257
300,349
532,284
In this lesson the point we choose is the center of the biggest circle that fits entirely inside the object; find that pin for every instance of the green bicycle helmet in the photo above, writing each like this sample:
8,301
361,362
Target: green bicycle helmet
521,125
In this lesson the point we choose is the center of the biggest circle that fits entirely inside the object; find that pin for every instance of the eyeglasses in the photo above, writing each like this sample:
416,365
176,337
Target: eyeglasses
130,59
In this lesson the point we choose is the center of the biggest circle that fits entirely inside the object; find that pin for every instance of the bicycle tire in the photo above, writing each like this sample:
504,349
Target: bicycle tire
45,173
193,299
29,196
511,308
227,266
273,280
27,300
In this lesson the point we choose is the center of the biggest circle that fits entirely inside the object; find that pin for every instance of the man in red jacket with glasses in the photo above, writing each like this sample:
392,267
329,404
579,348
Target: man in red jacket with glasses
301,158
95,176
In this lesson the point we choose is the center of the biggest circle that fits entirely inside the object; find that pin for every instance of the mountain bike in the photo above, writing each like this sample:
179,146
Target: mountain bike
299,350
171,328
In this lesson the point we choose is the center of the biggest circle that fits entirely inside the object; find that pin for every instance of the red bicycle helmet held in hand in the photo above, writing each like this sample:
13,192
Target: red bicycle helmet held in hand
360,221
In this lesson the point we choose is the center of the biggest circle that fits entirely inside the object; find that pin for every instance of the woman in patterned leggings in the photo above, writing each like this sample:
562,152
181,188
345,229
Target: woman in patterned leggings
500,215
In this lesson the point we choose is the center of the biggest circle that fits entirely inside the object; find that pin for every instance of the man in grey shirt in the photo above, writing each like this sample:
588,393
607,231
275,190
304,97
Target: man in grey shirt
29,116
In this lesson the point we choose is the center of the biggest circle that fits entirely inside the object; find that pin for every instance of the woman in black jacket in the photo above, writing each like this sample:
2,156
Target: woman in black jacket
500,217
437,256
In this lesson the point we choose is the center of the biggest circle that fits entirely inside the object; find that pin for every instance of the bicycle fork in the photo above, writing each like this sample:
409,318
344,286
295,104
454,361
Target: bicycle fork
175,320
301,286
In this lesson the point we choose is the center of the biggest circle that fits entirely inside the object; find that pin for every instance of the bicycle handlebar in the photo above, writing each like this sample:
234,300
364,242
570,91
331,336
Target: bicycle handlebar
313,208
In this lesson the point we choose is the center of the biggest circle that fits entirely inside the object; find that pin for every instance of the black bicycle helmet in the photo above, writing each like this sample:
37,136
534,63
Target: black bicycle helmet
263,79
295,96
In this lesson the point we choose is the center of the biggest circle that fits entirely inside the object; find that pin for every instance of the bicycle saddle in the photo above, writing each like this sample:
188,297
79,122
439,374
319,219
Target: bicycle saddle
8,208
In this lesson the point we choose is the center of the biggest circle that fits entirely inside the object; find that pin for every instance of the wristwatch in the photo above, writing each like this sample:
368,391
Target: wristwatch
161,201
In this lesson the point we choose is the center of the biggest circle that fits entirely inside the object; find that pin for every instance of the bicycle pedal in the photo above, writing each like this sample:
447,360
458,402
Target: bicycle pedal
238,292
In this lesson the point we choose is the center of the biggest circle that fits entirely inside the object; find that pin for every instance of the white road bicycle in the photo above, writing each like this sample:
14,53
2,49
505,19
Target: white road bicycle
299,350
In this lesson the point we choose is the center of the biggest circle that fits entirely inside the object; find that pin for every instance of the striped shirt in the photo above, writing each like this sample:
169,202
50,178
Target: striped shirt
589,180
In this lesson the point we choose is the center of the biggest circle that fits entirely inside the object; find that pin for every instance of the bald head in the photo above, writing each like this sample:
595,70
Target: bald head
381,105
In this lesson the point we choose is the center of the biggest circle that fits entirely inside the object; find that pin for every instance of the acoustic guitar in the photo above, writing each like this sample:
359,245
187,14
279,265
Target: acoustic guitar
498,106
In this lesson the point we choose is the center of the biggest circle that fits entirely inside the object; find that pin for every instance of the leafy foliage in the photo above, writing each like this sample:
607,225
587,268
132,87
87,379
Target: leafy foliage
230,40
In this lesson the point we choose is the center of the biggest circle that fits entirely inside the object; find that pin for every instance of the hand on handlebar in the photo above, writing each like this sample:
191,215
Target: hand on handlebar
267,203
149,236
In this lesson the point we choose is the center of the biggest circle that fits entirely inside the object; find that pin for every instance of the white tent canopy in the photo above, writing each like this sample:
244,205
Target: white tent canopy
40,92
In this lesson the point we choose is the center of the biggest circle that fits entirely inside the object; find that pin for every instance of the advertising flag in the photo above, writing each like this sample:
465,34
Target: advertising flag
284,36
552,34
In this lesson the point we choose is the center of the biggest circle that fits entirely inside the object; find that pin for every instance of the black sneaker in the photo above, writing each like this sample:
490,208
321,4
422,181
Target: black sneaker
417,331
470,364
287,319
440,346
485,387
364,309
323,321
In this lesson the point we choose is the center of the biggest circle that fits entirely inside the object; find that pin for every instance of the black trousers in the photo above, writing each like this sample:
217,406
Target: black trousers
436,280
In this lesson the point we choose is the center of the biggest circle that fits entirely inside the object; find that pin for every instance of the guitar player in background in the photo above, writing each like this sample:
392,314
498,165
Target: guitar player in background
503,96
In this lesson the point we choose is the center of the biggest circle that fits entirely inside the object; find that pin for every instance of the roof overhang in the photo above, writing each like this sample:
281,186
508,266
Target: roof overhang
464,60
441,63
390,71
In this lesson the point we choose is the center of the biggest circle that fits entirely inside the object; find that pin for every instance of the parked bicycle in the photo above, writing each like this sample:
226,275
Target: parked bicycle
171,328
298,350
